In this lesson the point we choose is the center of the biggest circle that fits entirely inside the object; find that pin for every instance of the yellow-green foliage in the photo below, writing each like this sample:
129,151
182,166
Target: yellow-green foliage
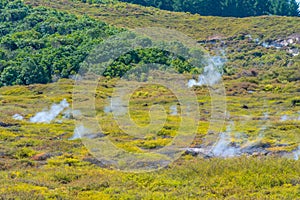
67,173
237,178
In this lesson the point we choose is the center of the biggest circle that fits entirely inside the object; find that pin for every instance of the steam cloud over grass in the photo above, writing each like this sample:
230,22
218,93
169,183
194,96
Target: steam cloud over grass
296,153
49,115
173,110
224,148
117,106
212,73
18,117
78,132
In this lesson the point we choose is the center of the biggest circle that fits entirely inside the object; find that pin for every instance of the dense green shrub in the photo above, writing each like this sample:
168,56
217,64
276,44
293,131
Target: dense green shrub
37,44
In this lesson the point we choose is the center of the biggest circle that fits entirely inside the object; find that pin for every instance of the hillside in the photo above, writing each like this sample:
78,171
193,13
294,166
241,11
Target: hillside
50,145
198,27
242,38
260,42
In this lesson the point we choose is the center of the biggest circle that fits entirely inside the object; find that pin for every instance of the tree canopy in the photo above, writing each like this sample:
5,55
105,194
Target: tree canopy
226,8
39,44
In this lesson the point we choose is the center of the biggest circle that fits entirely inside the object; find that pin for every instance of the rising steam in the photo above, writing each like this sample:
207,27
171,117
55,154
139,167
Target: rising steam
78,132
81,132
212,73
18,117
116,106
224,147
296,153
49,115
173,110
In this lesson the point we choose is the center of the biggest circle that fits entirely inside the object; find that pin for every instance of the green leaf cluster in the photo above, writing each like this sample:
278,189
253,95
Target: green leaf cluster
39,45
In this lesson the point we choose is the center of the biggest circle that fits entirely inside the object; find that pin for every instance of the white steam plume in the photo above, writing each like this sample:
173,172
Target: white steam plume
284,118
224,147
78,132
173,110
18,117
48,115
212,73
83,132
117,106
296,154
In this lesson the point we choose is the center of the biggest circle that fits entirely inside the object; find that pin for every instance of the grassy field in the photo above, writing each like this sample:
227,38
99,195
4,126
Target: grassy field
39,161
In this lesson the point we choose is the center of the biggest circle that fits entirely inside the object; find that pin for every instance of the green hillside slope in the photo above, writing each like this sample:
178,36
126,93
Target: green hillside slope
243,40
199,27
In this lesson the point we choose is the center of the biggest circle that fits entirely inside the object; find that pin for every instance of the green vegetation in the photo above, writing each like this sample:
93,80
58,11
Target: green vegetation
226,8
38,161
52,45
39,45
198,27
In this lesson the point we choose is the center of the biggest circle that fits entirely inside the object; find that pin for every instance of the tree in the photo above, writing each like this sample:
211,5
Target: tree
44,43
294,8
9,75
3,4
262,7
227,8
32,72
279,7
